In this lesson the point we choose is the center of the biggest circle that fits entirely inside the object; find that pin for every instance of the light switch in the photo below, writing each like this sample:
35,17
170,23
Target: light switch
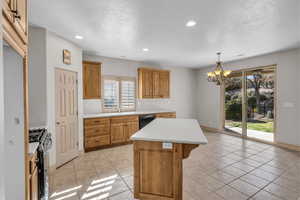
167,145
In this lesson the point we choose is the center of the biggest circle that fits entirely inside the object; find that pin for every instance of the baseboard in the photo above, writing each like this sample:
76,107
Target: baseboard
288,146
209,129
278,144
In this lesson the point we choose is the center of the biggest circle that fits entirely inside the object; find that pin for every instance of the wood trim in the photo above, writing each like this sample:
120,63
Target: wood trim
26,123
12,37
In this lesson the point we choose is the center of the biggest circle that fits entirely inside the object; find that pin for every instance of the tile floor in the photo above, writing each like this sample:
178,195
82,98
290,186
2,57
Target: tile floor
227,168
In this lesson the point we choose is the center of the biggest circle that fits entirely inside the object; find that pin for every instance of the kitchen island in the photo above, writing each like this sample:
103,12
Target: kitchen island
159,149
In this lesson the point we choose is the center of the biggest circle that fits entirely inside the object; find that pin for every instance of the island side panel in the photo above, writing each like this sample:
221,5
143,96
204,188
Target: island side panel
157,171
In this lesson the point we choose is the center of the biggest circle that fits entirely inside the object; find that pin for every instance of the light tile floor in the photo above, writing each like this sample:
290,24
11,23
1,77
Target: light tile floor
227,168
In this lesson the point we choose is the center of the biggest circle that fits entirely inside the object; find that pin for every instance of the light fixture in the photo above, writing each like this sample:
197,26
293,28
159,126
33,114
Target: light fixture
145,49
218,75
191,23
79,37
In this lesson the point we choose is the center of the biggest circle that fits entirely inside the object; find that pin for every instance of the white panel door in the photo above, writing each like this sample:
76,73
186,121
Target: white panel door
66,116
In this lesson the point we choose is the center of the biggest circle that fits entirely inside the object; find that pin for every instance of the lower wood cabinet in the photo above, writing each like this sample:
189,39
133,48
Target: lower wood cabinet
107,131
102,132
117,133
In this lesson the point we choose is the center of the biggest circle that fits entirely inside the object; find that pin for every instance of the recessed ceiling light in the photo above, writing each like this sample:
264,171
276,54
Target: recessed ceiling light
78,37
191,23
145,49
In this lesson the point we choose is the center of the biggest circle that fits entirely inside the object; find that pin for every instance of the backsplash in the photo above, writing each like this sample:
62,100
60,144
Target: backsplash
92,106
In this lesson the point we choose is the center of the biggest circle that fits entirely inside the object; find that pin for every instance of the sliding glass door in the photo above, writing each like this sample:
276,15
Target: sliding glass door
249,103
233,103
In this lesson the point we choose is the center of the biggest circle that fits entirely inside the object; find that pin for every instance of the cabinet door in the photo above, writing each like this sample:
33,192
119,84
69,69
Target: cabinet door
130,128
21,19
91,80
145,83
34,195
156,82
117,133
164,84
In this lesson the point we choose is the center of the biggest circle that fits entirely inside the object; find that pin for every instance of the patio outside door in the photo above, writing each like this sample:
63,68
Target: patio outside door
250,103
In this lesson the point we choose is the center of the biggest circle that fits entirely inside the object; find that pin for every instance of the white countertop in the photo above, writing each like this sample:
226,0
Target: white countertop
32,147
185,131
115,114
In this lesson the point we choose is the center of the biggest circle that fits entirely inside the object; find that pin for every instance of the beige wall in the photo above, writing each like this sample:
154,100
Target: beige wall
288,97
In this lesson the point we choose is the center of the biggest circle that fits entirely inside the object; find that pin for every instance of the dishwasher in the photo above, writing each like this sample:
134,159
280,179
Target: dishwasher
145,119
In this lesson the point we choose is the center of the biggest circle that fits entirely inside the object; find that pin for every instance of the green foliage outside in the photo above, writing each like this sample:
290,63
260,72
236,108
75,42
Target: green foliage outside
266,127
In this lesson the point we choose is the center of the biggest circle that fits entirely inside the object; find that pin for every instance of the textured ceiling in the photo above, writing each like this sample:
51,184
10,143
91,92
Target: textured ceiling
122,28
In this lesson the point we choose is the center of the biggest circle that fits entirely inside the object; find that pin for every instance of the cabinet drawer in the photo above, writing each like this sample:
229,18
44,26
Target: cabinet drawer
96,130
97,141
96,121
125,119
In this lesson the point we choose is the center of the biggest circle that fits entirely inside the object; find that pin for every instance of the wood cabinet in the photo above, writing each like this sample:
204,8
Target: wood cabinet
123,127
117,133
33,178
158,171
166,115
15,20
145,83
154,83
102,132
161,84
91,80
96,132
130,129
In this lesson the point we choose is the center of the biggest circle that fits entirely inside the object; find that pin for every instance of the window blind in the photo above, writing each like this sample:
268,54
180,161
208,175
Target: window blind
127,101
111,95
119,94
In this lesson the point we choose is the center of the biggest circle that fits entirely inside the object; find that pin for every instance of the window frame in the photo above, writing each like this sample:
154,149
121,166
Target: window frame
119,79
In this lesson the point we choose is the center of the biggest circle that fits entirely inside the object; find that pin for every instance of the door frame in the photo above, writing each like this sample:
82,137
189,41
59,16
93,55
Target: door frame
56,146
244,103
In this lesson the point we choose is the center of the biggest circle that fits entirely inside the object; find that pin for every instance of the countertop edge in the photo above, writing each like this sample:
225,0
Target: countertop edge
115,114
168,141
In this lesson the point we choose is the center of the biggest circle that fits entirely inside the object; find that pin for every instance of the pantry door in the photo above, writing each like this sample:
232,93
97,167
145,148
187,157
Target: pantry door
66,116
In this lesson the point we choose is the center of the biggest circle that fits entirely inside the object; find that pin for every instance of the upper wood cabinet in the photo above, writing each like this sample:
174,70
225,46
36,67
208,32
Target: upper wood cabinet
154,83
15,19
145,83
91,80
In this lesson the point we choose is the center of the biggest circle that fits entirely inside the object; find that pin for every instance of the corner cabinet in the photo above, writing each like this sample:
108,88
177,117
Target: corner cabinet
91,80
153,83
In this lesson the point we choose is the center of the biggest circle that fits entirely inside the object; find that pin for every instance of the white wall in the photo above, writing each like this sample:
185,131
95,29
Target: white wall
2,154
288,89
55,46
14,125
37,77
183,85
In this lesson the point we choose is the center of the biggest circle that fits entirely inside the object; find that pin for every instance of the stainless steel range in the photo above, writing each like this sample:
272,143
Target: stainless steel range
43,137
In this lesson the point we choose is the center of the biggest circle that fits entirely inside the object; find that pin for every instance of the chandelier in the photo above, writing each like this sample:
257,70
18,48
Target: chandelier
218,75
